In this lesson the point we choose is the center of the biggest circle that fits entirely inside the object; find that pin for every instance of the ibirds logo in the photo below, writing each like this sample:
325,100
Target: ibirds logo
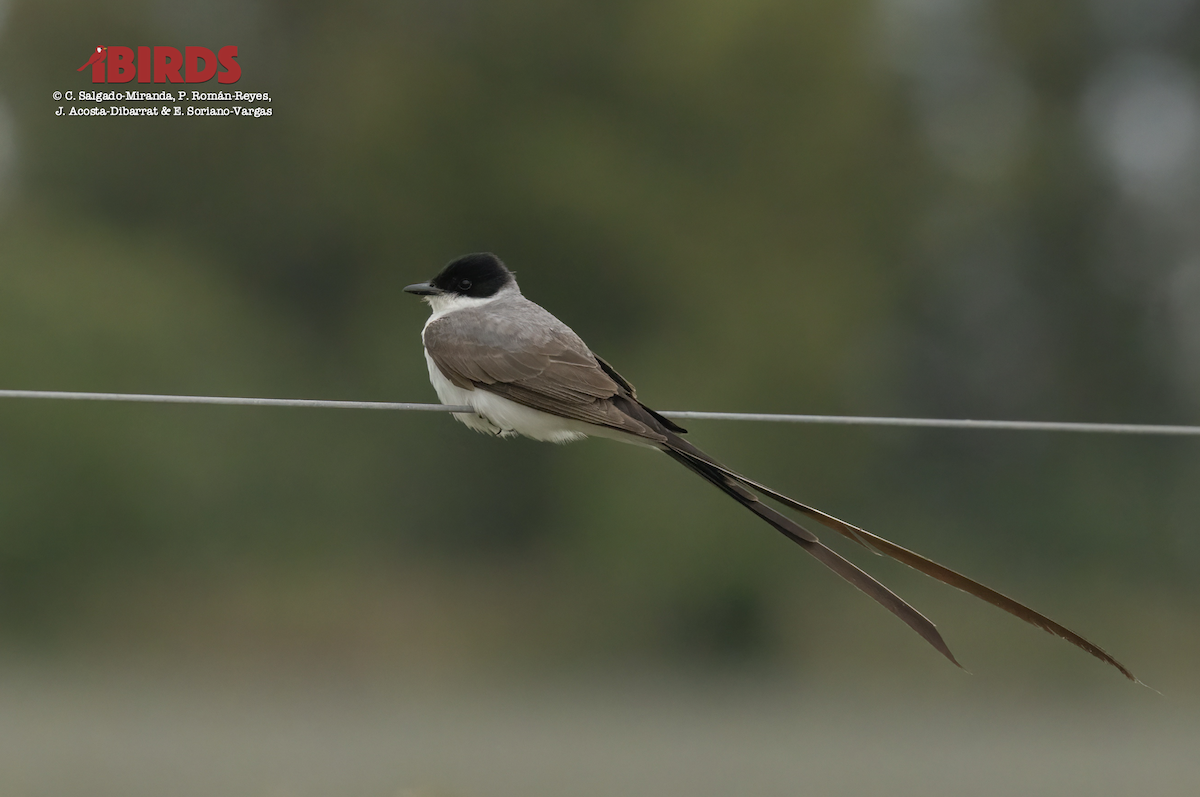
163,65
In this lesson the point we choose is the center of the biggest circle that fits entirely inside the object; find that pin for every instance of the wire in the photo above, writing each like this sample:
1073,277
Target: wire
152,398
945,423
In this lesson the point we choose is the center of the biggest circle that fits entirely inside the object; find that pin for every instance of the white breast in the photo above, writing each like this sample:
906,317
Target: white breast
495,415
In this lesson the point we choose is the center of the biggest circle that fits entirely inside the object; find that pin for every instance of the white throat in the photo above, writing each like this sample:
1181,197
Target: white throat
444,303
449,302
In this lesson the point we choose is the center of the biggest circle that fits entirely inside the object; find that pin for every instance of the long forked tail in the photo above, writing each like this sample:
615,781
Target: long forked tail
808,541
735,485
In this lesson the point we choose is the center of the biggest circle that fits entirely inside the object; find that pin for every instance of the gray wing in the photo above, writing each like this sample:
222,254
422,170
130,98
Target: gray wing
517,350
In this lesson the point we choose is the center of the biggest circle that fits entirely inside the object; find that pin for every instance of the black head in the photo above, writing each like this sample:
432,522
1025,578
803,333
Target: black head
479,276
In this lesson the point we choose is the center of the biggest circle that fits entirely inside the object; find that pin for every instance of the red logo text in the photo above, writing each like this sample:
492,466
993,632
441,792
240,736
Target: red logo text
163,65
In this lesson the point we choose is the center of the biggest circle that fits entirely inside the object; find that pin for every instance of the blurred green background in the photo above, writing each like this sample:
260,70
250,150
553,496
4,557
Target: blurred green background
950,208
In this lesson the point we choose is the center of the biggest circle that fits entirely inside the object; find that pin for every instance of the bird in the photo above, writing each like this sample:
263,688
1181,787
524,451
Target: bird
524,372
97,55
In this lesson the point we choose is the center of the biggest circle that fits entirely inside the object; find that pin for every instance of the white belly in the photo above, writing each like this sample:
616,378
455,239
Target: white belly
496,415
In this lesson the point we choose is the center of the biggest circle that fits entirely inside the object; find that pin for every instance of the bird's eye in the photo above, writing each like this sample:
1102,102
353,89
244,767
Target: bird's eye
464,285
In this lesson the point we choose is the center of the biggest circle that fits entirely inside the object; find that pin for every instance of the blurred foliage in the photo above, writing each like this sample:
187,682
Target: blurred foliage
749,190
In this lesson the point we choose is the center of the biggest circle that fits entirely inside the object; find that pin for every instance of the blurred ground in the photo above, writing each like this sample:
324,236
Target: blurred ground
121,732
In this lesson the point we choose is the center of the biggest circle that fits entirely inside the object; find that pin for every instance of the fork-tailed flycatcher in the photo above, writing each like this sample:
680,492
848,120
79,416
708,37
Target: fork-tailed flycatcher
524,372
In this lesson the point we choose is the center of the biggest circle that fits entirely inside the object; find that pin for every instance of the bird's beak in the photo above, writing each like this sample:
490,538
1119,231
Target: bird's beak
423,289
